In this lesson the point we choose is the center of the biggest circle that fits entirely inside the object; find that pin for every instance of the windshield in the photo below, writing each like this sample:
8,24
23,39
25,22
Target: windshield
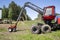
48,11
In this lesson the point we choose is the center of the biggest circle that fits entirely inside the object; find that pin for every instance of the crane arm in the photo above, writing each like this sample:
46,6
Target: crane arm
33,7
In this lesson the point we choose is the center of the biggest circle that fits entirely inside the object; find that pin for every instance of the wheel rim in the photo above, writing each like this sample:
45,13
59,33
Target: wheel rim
46,28
34,29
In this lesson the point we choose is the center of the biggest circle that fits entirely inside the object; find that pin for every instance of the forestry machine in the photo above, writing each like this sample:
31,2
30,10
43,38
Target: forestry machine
48,14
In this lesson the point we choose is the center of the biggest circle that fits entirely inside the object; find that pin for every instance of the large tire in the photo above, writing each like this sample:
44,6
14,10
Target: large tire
45,29
35,29
10,29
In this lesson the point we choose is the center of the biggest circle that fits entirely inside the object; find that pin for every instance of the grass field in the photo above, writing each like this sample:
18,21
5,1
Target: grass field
24,32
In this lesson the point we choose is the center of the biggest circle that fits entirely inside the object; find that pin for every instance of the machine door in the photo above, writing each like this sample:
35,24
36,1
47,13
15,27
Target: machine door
49,13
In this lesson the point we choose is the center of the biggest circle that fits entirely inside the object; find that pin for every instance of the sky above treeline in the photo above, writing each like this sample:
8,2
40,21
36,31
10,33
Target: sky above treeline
40,3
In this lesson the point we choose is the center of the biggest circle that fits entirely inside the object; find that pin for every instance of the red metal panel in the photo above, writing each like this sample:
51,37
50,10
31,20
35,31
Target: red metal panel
58,20
48,17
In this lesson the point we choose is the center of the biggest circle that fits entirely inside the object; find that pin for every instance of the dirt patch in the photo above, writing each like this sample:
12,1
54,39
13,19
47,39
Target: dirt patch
20,30
4,25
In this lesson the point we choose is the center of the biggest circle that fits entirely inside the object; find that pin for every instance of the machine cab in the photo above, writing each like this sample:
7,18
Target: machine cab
49,13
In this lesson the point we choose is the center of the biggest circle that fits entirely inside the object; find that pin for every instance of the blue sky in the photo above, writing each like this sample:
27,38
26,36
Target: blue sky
40,3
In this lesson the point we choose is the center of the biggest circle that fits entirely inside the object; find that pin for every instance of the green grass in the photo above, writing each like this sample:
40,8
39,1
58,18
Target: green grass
2,29
29,23
29,36
24,33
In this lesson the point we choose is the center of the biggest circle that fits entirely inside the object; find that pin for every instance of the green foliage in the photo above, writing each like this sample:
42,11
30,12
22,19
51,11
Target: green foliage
24,16
10,13
4,12
14,12
28,18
